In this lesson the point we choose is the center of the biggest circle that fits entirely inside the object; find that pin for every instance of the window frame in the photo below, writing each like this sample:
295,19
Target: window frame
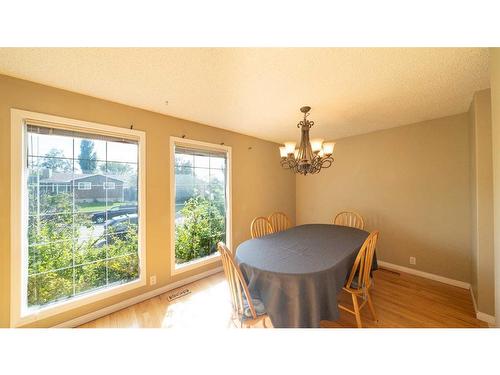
84,184
190,143
20,314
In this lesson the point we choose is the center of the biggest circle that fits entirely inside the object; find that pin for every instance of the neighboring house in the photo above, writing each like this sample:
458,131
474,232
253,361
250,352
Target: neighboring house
87,187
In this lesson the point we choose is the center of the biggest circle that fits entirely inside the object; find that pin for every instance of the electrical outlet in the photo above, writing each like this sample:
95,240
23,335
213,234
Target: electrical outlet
152,280
413,260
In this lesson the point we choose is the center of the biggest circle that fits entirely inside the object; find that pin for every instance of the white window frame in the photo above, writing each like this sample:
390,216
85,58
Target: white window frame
195,264
109,185
19,313
85,185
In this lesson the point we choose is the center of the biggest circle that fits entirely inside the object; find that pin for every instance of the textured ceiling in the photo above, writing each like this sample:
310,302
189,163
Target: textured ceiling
258,91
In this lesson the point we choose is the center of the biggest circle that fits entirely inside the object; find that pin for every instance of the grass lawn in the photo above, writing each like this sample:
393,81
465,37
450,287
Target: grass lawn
99,206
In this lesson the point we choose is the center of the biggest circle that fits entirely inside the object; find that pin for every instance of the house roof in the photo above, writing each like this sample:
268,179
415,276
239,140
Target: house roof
69,177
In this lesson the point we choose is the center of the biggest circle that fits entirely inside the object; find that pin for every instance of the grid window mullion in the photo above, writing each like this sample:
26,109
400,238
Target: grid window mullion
208,183
77,227
73,219
107,207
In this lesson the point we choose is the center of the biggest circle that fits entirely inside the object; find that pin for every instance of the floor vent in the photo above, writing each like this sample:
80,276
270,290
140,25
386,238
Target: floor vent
178,294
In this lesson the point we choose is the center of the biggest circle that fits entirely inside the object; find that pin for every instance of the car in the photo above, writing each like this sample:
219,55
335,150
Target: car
120,223
117,228
101,217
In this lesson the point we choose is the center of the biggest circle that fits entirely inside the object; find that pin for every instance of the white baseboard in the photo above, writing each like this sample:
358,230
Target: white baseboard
134,300
490,319
473,300
461,284
431,276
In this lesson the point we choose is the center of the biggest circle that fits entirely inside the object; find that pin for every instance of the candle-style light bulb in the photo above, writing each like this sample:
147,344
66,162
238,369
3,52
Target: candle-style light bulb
283,152
290,147
316,144
328,148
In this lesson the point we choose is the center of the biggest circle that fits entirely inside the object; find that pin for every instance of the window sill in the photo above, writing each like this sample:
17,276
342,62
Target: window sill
63,306
194,264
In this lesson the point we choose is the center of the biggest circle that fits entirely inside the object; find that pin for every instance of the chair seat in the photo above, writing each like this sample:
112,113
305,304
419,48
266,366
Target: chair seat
260,309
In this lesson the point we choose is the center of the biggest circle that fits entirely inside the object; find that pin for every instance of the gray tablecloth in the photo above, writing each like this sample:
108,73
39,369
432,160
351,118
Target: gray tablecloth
297,273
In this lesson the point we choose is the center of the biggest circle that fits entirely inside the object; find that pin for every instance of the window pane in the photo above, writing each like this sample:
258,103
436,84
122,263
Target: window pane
50,145
50,228
50,287
90,249
55,169
122,183
90,149
201,175
217,162
82,213
217,176
184,188
122,152
49,188
50,256
201,161
123,269
200,201
184,163
90,276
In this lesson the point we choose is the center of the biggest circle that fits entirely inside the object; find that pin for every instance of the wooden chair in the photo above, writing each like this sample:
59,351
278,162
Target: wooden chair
349,219
248,310
279,221
359,282
260,227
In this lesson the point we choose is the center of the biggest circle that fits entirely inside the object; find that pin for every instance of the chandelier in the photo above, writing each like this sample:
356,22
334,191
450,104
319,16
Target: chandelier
311,156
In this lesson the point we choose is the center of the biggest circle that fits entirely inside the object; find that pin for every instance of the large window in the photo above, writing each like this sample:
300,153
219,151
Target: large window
201,188
80,229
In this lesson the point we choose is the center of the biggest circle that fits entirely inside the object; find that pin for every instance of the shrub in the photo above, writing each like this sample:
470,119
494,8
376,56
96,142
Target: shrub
203,226
50,264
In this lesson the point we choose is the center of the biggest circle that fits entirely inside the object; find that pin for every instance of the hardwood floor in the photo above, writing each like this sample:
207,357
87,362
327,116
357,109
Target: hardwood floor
406,301
401,300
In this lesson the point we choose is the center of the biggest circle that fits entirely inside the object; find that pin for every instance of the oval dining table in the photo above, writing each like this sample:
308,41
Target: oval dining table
297,273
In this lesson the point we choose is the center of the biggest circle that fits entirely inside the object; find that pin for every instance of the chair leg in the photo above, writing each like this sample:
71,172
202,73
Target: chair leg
370,305
356,310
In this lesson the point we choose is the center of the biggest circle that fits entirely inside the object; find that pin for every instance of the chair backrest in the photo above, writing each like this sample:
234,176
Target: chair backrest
260,227
237,285
349,219
279,221
363,264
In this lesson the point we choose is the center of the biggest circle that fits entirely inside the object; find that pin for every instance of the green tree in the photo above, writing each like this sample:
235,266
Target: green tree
54,160
87,158
203,226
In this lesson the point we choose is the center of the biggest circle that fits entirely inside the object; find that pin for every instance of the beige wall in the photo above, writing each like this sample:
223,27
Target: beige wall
411,183
260,185
473,200
482,277
495,121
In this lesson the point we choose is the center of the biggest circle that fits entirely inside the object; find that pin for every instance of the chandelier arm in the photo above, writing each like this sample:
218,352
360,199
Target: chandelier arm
326,162
288,163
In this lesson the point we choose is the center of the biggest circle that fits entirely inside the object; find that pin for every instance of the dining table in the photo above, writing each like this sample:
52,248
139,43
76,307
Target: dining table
297,273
